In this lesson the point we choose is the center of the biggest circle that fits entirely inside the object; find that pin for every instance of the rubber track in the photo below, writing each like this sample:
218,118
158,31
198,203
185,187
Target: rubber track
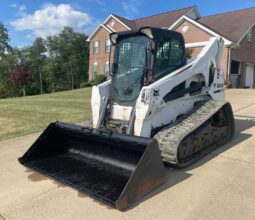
171,136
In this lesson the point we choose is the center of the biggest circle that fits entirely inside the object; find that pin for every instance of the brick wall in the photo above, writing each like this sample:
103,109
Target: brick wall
246,51
193,34
115,25
102,56
245,54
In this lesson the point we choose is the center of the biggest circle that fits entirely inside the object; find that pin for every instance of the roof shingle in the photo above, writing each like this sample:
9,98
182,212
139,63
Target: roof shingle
231,25
162,20
159,20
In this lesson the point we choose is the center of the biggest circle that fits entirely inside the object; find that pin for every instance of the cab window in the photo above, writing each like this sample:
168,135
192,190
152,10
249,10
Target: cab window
168,58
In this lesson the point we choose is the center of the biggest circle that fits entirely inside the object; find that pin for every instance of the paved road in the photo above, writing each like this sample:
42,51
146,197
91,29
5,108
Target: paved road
220,186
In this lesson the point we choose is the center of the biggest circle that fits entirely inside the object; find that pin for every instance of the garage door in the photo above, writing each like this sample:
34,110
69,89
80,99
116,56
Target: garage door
249,76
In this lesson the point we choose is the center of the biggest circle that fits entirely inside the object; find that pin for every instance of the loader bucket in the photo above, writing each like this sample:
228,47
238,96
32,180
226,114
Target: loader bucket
115,168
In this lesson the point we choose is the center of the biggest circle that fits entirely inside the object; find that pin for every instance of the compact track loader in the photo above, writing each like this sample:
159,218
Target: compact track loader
158,108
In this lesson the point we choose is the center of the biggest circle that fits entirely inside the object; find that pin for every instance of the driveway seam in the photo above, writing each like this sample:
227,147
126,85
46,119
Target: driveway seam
244,107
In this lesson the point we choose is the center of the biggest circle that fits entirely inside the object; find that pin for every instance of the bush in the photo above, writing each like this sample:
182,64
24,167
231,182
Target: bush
98,79
189,53
85,84
94,82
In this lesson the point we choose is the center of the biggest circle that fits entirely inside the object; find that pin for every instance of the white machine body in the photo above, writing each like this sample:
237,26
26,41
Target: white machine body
150,109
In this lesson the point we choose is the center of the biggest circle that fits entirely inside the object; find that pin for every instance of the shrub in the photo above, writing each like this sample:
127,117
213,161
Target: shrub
99,79
189,53
85,84
94,82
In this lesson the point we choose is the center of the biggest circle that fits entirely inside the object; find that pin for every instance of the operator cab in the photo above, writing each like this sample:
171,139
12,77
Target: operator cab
142,57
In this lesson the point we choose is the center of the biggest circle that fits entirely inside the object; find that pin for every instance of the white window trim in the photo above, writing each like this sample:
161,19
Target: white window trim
98,46
93,75
108,67
107,45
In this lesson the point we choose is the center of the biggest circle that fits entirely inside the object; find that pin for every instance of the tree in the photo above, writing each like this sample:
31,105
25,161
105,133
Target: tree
57,63
35,61
4,39
21,78
68,56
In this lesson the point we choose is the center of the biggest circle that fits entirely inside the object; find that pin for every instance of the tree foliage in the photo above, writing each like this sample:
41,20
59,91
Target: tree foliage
57,63
21,77
4,40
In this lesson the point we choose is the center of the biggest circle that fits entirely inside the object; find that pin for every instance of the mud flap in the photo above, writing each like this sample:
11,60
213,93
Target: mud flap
115,168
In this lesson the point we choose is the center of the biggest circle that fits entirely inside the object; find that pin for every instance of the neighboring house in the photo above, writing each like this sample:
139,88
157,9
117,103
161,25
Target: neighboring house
236,28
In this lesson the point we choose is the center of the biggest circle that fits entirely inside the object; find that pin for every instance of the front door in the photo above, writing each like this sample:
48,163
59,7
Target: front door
249,76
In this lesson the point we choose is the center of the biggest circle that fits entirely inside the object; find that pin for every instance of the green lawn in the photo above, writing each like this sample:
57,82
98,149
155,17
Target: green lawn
25,115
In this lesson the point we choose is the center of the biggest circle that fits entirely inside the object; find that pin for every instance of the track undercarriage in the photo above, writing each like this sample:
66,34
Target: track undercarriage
197,133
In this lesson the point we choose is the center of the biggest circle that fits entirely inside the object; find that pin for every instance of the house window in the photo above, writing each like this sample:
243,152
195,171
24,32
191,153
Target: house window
96,47
249,36
106,68
235,67
107,45
94,69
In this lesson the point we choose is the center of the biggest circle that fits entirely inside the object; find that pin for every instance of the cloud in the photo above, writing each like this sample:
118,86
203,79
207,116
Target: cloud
51,19
21,9
130,8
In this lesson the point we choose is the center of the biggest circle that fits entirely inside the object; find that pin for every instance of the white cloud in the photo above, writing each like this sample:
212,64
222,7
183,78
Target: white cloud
21,8
130,8
51,19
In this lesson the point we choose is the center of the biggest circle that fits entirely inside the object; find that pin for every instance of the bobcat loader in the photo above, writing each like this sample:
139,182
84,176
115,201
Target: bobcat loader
158,108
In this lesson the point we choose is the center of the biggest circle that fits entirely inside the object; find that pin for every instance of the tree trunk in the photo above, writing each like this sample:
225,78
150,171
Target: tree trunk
72,82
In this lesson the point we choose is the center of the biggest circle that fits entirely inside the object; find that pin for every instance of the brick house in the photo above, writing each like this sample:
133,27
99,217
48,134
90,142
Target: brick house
236,28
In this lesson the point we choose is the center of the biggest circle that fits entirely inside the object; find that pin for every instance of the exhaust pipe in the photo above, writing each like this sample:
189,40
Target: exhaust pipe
114,168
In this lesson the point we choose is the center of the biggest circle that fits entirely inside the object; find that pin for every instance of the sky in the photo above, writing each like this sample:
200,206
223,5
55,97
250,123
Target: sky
26,20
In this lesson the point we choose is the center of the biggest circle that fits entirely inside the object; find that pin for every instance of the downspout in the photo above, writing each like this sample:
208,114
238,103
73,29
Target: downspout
228,64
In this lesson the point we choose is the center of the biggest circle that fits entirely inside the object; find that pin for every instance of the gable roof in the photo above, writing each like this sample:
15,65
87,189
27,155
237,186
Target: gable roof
232,25
131,24
160,20
164,19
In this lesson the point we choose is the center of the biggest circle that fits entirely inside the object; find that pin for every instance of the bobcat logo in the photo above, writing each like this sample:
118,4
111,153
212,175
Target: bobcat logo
156,93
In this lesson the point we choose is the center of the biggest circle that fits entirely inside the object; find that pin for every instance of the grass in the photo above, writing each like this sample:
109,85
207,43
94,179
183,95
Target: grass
26,115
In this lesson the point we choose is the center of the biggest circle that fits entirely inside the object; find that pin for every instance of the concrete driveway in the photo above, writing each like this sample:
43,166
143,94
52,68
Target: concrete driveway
220,186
